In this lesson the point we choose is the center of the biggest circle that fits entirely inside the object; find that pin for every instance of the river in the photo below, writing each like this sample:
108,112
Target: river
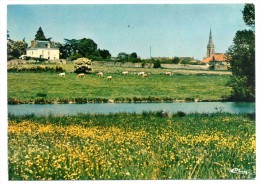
106,108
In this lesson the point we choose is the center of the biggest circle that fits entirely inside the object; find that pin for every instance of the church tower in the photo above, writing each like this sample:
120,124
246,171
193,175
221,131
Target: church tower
210,47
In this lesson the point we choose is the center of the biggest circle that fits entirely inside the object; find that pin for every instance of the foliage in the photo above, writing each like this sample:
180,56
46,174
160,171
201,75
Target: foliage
40,35
75,56
241,56
131,146
15,49
249,15
157,64
83,65
124,57
176,60
35,69
85,47
105,54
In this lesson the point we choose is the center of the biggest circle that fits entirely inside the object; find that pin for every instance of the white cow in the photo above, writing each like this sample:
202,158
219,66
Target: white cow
109,78
125,73
62,74
168,73
81,75
100,74
144,75
140,73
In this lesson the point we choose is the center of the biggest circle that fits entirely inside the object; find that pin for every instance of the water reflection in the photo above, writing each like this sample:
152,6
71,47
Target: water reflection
106,108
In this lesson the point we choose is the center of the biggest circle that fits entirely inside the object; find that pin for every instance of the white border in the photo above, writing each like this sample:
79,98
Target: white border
3,69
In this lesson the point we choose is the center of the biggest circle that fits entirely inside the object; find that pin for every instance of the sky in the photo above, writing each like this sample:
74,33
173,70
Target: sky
169,29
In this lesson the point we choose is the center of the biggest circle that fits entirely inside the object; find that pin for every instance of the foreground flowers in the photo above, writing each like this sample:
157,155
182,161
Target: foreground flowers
131,146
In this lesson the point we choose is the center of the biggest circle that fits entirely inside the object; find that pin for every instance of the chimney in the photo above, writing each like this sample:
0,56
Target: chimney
33,43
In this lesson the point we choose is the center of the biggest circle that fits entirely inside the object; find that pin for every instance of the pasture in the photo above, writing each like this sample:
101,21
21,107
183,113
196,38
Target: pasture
52,88
131,146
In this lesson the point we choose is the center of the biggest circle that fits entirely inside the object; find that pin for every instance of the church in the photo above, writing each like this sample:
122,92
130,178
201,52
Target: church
211,56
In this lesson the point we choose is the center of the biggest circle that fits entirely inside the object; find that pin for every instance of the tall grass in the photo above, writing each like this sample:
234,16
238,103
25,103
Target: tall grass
131,146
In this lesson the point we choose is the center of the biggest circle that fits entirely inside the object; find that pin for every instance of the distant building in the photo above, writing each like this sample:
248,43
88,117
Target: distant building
162,58
211,56
43,49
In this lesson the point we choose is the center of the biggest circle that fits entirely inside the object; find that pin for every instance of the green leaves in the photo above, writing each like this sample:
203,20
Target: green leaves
241,56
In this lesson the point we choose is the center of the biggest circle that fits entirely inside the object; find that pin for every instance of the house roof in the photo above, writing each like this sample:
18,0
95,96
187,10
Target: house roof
215,57
43,44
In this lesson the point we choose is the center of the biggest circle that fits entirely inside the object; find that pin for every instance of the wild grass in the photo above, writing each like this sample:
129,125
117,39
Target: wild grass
50,88
131,146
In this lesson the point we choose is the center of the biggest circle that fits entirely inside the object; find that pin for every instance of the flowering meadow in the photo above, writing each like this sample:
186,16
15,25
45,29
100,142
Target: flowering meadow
131,146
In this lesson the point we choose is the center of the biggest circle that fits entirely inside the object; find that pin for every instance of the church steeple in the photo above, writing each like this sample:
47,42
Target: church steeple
210,47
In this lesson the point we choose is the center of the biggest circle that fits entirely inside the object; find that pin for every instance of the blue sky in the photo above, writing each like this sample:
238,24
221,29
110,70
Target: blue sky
170,29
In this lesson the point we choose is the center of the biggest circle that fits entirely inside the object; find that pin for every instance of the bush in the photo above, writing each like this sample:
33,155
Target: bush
157,64
37,69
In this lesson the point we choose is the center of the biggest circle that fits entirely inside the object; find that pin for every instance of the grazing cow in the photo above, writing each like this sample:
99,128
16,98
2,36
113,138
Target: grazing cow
81,75
144,75
62,74
168,73
140,73
109,78
100,74
125,73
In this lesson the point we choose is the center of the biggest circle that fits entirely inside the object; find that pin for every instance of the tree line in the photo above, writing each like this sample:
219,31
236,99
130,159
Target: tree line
71,49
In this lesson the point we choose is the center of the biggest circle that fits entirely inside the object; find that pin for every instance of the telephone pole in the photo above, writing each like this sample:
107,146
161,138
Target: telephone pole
150,52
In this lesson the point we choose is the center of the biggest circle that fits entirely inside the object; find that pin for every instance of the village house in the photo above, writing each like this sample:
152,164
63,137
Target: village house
43,49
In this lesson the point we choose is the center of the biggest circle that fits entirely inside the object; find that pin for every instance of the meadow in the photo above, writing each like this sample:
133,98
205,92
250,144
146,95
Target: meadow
131,146
50,88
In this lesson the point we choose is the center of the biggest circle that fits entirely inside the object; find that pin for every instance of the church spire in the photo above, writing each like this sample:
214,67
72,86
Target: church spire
210,47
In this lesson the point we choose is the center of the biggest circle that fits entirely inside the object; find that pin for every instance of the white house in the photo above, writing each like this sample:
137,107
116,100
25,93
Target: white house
43,49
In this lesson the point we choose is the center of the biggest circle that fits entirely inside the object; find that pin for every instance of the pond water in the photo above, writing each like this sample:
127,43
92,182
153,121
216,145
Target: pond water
106,108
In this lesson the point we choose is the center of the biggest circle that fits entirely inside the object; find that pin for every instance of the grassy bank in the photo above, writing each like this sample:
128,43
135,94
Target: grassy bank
50,88
131,146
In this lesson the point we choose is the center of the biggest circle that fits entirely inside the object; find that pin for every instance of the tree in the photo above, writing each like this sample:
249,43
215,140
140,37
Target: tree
122,56
176,60
40,35
105,54
157,64
133,55
241,56
15,49
86,47
79,48
249,15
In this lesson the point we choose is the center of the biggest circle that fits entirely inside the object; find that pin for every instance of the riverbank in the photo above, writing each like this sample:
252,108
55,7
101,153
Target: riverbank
49,88
131,146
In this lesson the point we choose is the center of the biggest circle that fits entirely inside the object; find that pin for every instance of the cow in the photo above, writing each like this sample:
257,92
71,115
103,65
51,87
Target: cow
62,74
109,78
144,75
125,73
100,74
81,75
168,73
140,73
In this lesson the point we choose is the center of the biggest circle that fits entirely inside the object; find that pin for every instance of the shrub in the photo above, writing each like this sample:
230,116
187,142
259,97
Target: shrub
157,64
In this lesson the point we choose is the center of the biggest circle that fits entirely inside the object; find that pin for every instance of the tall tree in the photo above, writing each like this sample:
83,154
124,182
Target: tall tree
87,47
241,56
40,35
249,15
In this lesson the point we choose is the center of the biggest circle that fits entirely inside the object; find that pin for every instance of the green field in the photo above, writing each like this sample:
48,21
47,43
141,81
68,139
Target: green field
50,88
131,146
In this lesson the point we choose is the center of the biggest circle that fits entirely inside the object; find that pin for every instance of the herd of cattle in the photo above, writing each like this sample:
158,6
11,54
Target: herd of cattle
101,74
